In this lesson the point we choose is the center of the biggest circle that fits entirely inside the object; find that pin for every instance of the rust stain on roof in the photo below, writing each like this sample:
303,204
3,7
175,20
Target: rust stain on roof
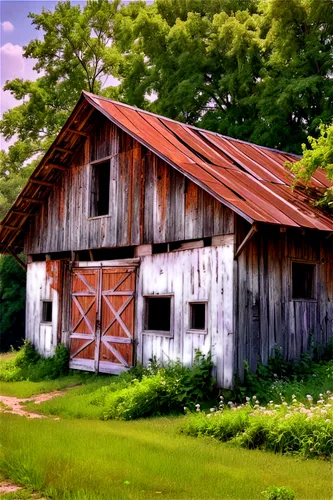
250,179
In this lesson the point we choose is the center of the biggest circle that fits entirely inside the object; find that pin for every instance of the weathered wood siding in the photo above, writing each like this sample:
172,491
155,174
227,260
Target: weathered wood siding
266,315
204,274
150,202
44,282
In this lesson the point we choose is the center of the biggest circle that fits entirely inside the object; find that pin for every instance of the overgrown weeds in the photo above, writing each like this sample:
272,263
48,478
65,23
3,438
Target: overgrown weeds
299,428
312,374
29,365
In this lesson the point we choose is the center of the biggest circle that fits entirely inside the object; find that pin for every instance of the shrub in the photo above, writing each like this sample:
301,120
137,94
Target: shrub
161,390
282,493
29,365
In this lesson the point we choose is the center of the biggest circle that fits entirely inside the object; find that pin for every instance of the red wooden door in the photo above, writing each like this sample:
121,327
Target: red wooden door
102,335
117,320
85,311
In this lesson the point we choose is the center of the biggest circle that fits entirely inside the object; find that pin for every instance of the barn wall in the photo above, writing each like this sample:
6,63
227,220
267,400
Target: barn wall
266,315
44,282
202,274
150,202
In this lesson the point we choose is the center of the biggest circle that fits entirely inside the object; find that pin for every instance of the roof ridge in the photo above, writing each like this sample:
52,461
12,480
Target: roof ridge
119,103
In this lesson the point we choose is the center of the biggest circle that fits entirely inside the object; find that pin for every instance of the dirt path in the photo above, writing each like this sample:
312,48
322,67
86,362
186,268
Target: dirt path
7,487
16,405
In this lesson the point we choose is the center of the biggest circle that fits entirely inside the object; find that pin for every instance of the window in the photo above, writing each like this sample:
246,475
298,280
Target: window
46,311
100,189
158,314
198,315
303,280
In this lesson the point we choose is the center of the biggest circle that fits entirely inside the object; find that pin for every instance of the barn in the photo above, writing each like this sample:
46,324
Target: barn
146,237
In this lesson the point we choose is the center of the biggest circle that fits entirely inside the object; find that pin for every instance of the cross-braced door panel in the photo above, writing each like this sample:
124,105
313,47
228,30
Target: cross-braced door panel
102,336
117,313
85,296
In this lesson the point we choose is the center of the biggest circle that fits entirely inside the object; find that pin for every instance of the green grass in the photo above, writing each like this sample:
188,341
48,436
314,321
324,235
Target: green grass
88,460
76,403
7,356
26,388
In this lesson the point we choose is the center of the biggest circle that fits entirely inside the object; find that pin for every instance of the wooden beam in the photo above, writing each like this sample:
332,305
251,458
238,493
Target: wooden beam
5,226
91,255
26,214
248,237
79,132
42,183
17,258
56,166
64,150
33,200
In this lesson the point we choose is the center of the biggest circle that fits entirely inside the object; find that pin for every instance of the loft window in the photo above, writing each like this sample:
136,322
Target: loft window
303,280
46,311
198,316
100,189
158,314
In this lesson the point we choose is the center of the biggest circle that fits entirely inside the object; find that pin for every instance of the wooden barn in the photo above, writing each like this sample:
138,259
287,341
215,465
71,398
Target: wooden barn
147,237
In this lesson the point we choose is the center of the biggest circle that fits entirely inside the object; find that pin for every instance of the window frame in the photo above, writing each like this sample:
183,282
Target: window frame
198,331
161,333
315,264
42,321
92,165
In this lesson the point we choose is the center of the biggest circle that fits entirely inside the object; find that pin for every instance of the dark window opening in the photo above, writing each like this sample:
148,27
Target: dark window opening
100,192
46,311
197,316
303,279
113,253
160,248
39,257
158,313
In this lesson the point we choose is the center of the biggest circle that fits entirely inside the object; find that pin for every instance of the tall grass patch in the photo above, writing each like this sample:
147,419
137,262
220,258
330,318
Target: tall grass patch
297,428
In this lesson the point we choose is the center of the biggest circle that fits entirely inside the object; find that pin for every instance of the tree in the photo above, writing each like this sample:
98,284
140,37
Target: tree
318,155
12,302
258,71
76,53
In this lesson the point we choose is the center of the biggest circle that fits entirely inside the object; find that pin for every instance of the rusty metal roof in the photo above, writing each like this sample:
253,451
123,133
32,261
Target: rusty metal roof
250,179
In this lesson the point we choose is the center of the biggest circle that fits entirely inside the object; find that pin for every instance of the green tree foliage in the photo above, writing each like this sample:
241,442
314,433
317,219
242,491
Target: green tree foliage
75,54
318,155
254,70
12,302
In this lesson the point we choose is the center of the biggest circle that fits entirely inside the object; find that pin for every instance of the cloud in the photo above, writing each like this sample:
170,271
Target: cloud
7,26
14,65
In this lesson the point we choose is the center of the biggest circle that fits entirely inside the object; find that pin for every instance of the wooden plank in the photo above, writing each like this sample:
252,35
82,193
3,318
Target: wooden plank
142,250
24,214
78,132
33,200
64,150
41,183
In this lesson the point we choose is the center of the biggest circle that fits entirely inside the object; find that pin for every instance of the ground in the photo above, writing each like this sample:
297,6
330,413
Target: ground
87,459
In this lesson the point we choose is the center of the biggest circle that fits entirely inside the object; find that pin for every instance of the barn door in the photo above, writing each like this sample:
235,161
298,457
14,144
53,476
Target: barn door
117,320
84,334
102,334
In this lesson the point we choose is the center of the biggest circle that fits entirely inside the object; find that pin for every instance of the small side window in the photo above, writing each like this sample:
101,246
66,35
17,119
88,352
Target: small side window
198,316
303,281
158,314
100,189
46,311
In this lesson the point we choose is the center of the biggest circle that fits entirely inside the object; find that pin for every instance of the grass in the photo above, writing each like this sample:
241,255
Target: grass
88,460
26,388
76,403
